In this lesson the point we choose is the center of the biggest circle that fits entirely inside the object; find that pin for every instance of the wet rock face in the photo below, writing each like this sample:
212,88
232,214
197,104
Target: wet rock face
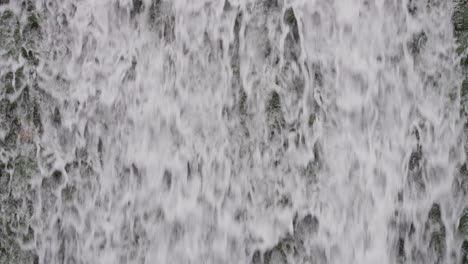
20,119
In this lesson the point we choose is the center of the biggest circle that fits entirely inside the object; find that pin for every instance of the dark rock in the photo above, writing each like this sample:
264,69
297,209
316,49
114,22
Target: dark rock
417,43
167,179
56,117
411,6
137,8
291,21
305,228
415,159
257,257
227,6
52,182
401,255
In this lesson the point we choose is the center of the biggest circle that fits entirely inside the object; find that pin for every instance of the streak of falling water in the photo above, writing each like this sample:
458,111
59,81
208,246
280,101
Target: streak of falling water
201,131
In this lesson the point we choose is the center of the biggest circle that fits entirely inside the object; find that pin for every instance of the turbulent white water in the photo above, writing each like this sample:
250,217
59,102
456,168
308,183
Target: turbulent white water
209,131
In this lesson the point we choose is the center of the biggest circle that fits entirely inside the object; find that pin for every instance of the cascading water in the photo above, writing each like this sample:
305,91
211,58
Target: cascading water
233,131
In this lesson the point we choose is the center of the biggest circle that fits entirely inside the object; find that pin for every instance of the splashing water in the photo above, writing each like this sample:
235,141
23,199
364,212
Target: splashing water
242,131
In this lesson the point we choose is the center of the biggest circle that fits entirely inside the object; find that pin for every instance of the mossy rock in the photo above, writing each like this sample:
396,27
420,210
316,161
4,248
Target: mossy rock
460,19
464,252
33,22
29,56
11,253
417,43
311,120
305,227
36,117
25,167
435,215
400,250
275,256
6,15
463,223
279,253
12,136
243,103
460,25
19,78
68,193
18,38
274,114
289,17
291,21
464,89
438,244
274,103
435,232
7,82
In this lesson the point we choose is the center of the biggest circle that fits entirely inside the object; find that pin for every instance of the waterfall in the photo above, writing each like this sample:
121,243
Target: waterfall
233,131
